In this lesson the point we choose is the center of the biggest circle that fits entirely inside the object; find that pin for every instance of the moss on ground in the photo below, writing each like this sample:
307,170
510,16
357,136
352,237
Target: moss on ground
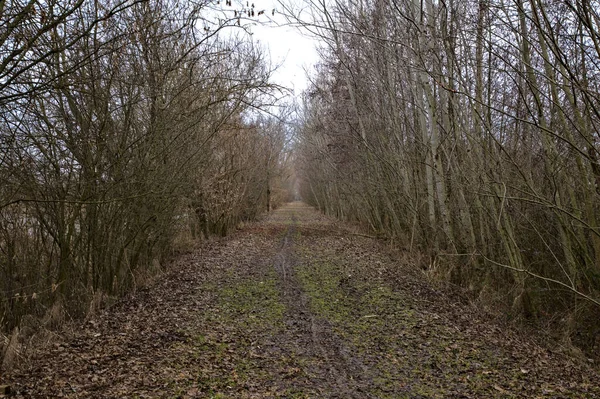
253,303
223,362
346,319
384,326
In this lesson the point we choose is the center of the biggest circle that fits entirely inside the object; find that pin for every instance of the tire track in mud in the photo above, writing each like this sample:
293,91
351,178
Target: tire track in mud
338,373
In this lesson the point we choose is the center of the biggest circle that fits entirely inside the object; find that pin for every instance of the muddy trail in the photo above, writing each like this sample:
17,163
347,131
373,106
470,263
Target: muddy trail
296,306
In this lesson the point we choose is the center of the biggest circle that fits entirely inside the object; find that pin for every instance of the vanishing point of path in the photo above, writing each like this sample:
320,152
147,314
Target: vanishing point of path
296,306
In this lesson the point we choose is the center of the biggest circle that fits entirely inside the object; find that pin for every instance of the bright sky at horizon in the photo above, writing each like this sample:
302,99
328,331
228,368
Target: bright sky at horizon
292,53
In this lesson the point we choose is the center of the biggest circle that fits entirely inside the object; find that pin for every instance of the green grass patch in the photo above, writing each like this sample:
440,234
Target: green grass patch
382,324
253,304
221,353
345,297
321,283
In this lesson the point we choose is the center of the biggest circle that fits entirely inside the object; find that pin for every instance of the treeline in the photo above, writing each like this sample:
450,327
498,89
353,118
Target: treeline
468,130
124,130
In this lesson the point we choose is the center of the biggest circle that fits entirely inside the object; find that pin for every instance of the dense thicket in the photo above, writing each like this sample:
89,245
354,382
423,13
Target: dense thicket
123,129
468,130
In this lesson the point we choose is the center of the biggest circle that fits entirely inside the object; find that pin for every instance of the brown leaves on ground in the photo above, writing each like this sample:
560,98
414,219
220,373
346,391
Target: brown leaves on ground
296,306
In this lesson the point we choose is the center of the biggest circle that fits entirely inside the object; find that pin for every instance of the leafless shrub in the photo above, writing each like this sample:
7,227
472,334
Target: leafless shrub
470,130
124,121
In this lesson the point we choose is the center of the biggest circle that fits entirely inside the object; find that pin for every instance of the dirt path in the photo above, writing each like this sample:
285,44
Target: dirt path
296,307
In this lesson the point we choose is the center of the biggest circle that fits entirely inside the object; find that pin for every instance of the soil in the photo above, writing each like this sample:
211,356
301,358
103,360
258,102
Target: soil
296,306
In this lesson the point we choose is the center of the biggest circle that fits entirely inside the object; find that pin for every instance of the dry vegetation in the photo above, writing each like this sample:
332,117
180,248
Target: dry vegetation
297,306
464,132
468,131
124,132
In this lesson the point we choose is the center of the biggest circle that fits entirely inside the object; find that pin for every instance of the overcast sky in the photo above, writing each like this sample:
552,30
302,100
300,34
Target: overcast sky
294,52
289,49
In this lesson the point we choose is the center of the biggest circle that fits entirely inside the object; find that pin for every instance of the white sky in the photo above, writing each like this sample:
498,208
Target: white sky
291,51
296,52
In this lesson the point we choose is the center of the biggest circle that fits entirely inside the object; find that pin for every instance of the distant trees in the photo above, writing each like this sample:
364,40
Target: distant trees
248,173
466,128
123,126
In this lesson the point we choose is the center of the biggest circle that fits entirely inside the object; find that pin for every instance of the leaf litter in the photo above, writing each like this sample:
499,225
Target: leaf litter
296,306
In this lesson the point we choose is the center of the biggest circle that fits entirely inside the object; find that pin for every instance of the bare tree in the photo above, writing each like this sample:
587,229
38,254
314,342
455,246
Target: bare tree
471,131
123,128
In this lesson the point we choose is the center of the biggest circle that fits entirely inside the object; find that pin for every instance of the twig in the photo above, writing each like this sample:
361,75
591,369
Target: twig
340,234
548,279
